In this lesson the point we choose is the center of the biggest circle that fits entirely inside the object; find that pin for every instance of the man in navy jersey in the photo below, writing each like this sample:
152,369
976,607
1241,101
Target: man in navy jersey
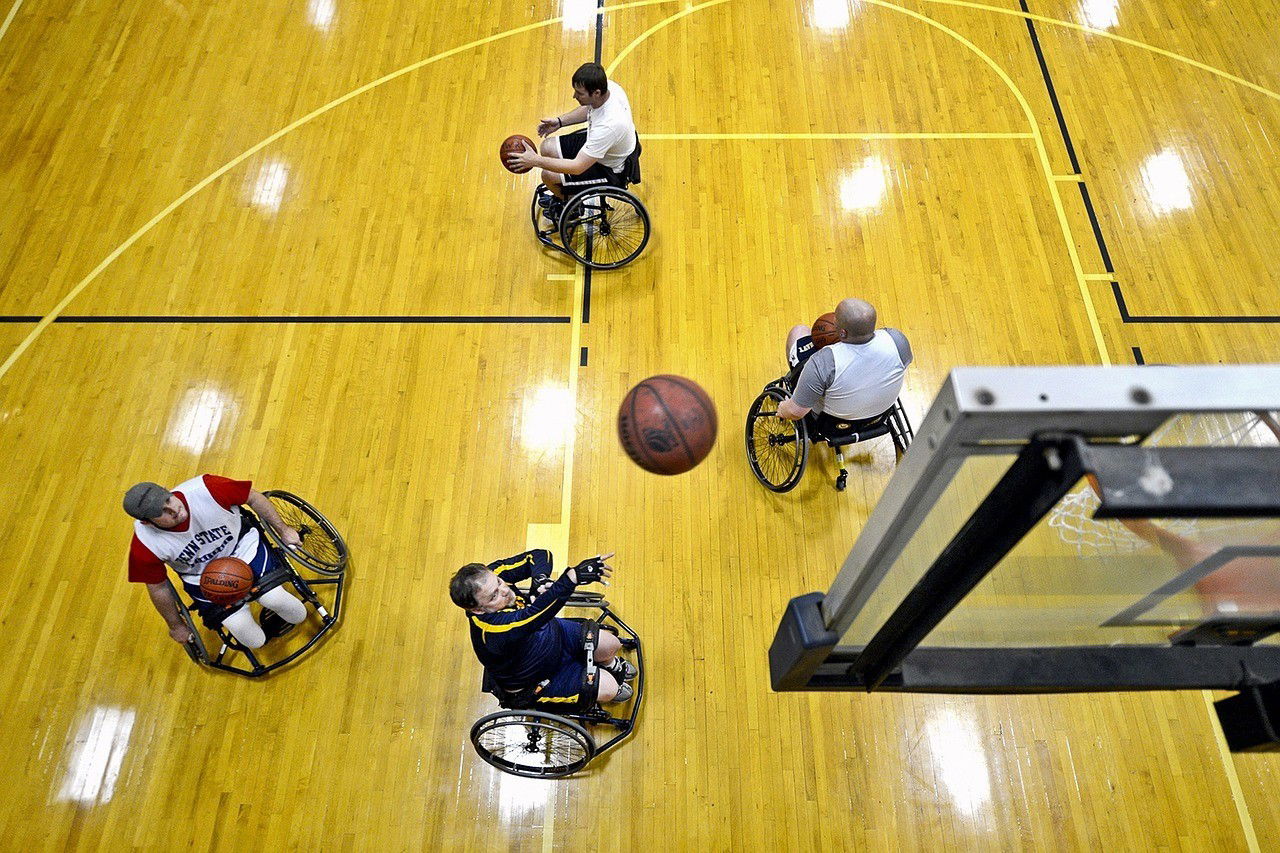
199,521
524,646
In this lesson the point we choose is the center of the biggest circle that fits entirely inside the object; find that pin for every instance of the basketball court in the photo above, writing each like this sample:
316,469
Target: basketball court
274,242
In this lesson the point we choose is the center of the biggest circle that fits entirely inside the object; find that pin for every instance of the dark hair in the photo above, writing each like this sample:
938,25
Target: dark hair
590,76
465,584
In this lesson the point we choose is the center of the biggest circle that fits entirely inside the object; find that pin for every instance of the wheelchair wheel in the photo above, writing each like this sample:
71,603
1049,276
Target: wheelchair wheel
777,448
532,743
322,548
611,221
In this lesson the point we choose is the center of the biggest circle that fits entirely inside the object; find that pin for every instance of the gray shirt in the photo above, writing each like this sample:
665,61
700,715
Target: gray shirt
855,381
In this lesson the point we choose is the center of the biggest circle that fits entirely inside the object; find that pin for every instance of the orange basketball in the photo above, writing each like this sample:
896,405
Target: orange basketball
512,145
825,331
667,424
226,580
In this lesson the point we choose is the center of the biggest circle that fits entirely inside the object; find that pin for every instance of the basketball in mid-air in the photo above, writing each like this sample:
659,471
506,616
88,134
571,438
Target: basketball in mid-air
226,580
825,331
513,145
667,424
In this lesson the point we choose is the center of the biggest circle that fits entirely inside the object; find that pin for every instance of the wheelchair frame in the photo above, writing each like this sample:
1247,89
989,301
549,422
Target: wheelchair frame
286,571
893,422
539,719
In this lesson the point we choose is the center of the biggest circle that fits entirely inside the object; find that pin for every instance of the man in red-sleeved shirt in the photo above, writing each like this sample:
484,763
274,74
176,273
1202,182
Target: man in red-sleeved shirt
199,521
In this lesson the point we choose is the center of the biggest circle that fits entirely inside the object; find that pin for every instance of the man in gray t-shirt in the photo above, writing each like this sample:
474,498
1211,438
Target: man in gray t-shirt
856,378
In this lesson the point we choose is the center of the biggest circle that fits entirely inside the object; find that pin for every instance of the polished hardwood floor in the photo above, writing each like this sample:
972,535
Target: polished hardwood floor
167,163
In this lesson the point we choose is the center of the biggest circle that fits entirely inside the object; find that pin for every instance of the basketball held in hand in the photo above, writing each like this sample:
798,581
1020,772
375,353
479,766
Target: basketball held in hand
226,580
667,424
514,144
825,331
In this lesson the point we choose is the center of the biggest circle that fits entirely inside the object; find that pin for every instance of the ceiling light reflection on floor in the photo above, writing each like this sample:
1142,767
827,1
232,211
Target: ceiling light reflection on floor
548,416
1166,182
1100,14
201,414
830,15
320,13
577,14
266,189
863,189
960,760
99,748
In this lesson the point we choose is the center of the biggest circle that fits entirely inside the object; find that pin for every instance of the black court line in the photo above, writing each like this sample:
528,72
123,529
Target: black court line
586,273
1185,318
1066,139
582,357
408,319
1137,356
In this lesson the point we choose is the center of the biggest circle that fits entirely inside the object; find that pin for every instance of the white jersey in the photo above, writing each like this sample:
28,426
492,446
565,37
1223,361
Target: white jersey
611,132
212,532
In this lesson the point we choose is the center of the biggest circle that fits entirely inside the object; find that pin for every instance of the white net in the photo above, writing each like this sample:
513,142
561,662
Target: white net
1073,516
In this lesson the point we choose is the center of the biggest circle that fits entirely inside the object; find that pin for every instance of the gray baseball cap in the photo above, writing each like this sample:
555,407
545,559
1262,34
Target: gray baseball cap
146,501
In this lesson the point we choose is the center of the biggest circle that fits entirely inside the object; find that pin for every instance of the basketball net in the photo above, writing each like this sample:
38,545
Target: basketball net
1073,516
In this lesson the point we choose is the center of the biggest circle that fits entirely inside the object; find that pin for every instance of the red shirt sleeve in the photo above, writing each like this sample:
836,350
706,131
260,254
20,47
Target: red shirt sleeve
226,492
144,567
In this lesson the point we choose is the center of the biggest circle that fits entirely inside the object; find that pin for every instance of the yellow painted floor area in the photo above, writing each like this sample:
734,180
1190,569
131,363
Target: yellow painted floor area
168,164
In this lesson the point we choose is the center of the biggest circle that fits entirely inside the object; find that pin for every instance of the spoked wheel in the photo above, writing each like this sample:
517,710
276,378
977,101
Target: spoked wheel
777,448
611,221
322,548
532,743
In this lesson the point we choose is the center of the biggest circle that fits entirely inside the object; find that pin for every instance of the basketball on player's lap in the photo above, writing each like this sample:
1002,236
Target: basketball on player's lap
667,424
514,144
825,331
225,580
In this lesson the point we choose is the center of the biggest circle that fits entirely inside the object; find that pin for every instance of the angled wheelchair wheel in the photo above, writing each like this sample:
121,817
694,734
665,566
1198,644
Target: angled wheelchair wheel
777,448
532,743
604,228
322,548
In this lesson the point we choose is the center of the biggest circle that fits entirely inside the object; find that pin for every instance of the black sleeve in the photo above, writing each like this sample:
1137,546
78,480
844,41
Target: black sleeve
535,563
501,628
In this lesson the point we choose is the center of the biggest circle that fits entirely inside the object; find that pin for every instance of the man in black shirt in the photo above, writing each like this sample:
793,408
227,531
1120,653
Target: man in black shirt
524,646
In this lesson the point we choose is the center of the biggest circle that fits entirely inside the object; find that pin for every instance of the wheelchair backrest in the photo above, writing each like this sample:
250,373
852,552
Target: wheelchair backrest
631,167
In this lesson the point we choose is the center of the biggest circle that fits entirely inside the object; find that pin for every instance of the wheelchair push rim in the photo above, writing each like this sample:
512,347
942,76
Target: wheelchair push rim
777,448
604,228
534,744
323,549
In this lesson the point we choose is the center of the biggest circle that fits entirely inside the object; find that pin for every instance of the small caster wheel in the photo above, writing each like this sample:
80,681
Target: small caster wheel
842,481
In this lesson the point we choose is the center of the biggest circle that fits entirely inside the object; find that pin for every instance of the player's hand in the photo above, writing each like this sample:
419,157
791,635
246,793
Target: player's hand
541,586
592,570
289,536
180,633
526,158
548,126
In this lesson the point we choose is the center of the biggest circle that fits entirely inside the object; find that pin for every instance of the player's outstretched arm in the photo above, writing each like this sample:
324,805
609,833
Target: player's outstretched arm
167,606
259,503
550,125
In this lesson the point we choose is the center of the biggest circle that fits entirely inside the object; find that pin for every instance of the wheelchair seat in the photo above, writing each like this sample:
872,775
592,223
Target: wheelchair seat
631,168
839,432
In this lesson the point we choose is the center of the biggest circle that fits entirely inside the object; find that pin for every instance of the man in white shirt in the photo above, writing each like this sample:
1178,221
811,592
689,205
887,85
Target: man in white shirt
854,379
574,161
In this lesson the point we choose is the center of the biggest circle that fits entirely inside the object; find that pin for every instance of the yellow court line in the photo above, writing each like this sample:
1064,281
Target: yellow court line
1017,13
1090,310
1074,179
4,28
560,277
644,35
671,137
151,223
1099,276
1233,778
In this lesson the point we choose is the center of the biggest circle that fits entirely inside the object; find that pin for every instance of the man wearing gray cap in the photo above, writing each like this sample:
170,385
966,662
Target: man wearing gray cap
199,521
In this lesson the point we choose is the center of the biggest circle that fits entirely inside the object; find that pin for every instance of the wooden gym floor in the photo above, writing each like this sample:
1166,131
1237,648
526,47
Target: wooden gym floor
1009,183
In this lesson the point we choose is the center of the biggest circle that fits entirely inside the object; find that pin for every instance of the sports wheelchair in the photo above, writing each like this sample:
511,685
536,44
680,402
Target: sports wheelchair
778,448
322,552
526,741
602,227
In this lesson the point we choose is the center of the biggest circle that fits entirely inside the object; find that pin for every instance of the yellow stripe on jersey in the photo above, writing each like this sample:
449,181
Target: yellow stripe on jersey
528,558
573,698
498,629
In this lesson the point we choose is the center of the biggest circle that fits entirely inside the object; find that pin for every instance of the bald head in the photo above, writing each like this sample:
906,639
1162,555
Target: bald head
857,319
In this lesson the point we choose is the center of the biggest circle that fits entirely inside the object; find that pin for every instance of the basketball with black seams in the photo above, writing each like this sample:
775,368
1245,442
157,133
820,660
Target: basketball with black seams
667,424
825,332
514,144
226,580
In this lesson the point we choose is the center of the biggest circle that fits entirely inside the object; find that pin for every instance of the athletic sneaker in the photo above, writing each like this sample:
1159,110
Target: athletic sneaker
622,670
625,692
273,624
